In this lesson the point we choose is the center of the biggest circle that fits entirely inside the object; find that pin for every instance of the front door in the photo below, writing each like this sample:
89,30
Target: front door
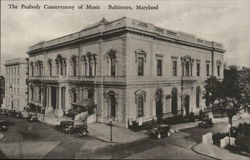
159,109
186,104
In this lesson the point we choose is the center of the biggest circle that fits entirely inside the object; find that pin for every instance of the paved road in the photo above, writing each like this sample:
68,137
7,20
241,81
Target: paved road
38,140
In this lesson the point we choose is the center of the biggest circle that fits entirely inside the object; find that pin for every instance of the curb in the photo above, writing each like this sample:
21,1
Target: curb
1,136
192,148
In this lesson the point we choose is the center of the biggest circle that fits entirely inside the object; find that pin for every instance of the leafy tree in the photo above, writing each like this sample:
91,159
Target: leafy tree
230,95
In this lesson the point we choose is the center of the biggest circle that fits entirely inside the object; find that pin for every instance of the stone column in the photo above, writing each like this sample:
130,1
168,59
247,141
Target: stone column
59,112
48,103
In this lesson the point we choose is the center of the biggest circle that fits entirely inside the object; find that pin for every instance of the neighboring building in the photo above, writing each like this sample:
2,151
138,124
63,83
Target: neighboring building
2,90
15,83
134,71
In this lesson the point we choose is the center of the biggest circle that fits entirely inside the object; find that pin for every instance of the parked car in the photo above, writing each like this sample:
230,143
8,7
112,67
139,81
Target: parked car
11,113
3,125
3,112
64,126
160,131
205,123
18,114
78,130
32,118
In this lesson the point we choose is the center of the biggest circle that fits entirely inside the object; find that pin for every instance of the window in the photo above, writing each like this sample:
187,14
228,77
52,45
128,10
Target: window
198,69
32,69
50,67
159,67
198,97
140,66
218,70
207,67
174,68
90,69
112,66
74,66
140,98
112,105
187,68
174,103
32,93
74,96
140,106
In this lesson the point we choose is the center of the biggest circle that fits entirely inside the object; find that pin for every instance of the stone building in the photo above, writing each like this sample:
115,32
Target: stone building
134,71
16,84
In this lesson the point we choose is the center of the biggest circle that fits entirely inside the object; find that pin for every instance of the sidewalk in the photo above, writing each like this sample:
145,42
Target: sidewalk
102,131
119,135
217,152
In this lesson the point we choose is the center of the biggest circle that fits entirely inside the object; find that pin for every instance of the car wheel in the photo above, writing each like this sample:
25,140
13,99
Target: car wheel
159,136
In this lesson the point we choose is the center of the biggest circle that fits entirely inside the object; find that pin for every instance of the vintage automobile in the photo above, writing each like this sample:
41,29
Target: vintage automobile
11,113
64,126
3,125
32,118
18,114
78,130
3,112
160,131
205,123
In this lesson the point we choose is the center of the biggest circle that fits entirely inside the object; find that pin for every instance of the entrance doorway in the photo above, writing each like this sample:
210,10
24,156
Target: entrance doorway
53,97
159,107
186,104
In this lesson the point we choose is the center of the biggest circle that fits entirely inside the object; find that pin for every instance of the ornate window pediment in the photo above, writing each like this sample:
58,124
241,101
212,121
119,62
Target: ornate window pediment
140,53
218,62
187,59
140,93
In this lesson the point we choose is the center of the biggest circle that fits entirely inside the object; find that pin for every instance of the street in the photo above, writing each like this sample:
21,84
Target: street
38,140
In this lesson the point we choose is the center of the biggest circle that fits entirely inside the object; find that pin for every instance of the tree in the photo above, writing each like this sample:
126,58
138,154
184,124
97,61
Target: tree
230,95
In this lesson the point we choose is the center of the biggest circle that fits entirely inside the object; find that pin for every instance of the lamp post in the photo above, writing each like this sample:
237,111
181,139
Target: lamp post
111,124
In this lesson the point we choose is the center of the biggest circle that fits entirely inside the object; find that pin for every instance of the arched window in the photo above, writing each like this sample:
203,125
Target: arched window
112,104
74,65
218,67
187,68
32,69
50,67
140,98
187,65
198,97
112,62
91,94
73,95
174,104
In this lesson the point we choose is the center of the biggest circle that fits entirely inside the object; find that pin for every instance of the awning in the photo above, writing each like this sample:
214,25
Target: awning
85,103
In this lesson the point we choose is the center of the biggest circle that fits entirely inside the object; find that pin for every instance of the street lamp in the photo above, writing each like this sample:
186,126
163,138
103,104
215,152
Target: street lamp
111,124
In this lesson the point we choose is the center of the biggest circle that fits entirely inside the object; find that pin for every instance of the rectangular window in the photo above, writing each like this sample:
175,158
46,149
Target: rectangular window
112,66
207,66
198,69
140,66
218,70
159,67
140,106
174,68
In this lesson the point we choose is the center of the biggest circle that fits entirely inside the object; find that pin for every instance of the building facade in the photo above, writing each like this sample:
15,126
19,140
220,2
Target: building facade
134,71
16,84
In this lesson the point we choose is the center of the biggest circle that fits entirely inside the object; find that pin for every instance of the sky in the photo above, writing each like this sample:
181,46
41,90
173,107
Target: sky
224,21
